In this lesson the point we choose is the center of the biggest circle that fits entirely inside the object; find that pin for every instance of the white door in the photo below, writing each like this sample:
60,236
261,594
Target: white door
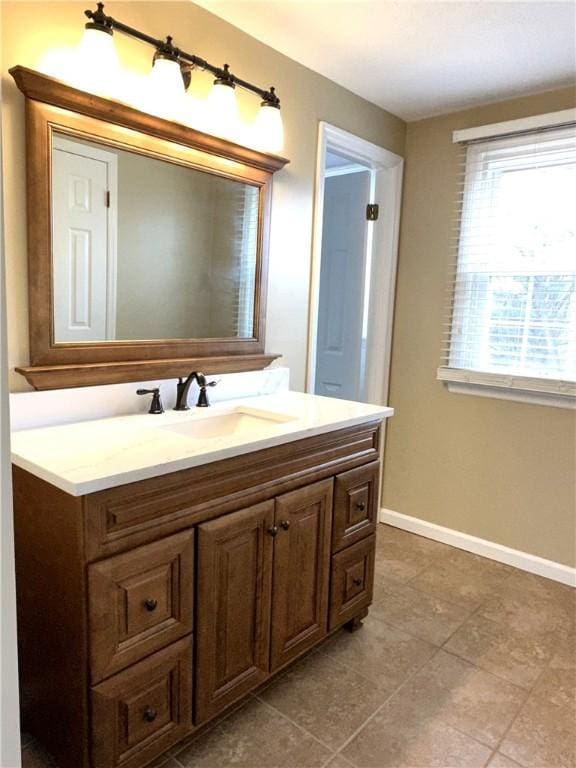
339,356
83,304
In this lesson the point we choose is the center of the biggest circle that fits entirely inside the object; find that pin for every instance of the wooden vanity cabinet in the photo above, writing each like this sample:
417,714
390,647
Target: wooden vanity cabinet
146,610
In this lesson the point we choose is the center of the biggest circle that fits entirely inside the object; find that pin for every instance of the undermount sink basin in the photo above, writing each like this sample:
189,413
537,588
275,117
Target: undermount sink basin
240,422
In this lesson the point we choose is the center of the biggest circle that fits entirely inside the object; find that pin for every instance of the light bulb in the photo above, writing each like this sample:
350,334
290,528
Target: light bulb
166,88
223,111
268,128
97,66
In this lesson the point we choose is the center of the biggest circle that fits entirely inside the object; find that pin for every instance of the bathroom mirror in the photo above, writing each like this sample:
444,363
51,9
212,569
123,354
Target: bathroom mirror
148,249
147,243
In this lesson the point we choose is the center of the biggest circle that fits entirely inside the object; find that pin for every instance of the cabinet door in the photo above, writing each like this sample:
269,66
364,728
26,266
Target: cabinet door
301,570
355,505
234,592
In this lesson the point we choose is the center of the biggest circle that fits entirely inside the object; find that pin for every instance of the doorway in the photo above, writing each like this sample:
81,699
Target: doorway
353,267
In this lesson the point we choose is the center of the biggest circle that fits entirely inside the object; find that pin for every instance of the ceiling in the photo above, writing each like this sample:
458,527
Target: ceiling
419,59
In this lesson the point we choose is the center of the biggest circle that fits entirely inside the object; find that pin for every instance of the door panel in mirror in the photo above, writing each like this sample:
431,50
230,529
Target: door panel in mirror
148,249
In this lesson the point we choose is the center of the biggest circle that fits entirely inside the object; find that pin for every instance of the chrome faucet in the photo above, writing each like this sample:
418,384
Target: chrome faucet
184,385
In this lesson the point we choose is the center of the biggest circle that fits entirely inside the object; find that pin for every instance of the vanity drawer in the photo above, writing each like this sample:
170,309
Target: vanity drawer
352,581
140,602
141,712
355,505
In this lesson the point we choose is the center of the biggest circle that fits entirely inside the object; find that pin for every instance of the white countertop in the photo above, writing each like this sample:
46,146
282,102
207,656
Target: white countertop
91,456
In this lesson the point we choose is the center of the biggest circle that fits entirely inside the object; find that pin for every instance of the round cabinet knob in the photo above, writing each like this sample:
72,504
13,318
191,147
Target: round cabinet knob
357,582
285,524
150,604
150,714
360,505
273,531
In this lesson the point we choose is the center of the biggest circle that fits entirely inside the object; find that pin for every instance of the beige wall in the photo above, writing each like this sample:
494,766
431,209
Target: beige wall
504,471
29,29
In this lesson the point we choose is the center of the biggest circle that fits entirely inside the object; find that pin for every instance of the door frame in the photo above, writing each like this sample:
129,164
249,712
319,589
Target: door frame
59,141
387,168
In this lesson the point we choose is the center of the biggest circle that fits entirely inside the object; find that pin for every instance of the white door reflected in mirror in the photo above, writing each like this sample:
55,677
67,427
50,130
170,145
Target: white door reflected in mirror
83,243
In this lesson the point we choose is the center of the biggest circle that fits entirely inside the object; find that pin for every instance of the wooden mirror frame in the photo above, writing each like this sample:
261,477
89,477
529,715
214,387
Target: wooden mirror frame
54,106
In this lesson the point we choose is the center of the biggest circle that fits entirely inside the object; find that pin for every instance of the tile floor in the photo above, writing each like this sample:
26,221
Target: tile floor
462,662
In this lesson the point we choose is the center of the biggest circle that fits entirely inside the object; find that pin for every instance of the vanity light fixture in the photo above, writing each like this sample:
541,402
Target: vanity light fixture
222,106
268,127
169,62
97,45
166,81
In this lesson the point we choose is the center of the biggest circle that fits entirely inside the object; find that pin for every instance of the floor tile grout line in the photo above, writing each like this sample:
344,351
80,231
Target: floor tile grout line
471,615
484,671
415,636
365,722
513,569
506,575
512,721
297,725
343,665
408,582
487,763
210,726
489,671
452,547
277,712
529,692
431,595
384,703
437,649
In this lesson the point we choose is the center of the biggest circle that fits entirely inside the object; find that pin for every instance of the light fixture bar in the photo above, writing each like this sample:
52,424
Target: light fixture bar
99,20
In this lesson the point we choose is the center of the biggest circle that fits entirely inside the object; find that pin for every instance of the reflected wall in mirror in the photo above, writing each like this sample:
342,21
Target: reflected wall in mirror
144,248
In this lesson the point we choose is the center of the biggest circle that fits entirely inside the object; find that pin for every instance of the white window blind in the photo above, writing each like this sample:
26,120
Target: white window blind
512,312
247,249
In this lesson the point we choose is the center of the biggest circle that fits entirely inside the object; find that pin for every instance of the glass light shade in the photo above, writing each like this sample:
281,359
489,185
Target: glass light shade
268,129
166,88
97,66
222,111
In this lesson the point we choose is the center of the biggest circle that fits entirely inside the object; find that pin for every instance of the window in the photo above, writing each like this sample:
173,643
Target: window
513,311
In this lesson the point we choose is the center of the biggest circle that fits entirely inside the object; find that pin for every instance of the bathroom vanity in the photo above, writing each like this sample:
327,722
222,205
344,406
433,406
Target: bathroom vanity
168,565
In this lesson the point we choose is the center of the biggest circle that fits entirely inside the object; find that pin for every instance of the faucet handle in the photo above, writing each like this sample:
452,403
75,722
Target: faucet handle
156,404
203,401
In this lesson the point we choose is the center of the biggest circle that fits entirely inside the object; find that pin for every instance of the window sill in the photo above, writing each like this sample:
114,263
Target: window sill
523,389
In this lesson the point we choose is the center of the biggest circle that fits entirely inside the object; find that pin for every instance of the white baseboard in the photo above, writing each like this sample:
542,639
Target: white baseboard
549,569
